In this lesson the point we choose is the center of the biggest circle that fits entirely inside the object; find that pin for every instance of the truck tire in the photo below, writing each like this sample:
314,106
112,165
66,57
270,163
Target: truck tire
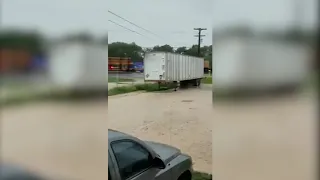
195,82
183,84
199,82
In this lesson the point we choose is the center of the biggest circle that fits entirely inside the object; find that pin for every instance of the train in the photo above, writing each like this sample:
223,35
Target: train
16,61
120,64
21,61
207,66
126,64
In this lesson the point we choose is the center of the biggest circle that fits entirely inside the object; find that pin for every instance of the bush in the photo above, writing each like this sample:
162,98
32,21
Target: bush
113,79
138,87
122,90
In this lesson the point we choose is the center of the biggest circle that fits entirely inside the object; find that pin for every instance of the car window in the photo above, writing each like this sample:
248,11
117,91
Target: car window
131,157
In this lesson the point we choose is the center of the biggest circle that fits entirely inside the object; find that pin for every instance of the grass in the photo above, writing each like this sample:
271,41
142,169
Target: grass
52,95
207,80
201,176
114,79
137,87
26,96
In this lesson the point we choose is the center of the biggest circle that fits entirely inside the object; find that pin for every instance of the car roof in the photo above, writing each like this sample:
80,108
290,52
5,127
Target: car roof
114,134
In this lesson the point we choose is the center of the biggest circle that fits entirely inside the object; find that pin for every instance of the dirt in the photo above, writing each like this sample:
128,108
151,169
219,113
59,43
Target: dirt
58,139
273,138
70,139
269,139
182,119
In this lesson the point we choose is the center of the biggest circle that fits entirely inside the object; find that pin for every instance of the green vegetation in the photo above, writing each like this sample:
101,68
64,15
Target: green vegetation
31,95
31,41
121,49
207,80
201,176
138,87
114,79
52,95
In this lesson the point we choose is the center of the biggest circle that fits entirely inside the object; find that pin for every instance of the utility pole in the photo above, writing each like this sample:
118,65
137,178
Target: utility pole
199,37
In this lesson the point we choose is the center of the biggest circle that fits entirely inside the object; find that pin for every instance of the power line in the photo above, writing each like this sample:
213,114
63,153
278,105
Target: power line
132,23
174,47
125,27
199,37
167,32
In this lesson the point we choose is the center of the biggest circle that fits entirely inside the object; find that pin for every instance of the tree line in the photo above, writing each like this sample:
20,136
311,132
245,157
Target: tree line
136,52
35,42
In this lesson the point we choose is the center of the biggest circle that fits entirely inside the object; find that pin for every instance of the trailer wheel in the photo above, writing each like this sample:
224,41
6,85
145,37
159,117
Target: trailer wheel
198,82
195,82
175,84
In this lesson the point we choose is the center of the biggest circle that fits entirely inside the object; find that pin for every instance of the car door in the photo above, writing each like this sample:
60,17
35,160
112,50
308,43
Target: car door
133,160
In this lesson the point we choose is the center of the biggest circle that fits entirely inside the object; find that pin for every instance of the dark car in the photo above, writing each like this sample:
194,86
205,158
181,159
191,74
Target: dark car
134,159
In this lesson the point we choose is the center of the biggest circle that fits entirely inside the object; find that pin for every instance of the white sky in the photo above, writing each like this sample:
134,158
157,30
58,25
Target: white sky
172,20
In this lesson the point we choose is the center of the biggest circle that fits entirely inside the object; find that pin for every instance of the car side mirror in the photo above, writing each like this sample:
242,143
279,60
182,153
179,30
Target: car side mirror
158,163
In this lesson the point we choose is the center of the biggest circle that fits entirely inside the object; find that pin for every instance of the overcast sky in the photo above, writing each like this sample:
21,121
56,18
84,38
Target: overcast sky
171,20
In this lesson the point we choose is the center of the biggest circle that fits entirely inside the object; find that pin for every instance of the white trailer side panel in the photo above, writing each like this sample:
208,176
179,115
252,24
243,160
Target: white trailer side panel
159,66
96,62
258,64
79,66
227,64
182,67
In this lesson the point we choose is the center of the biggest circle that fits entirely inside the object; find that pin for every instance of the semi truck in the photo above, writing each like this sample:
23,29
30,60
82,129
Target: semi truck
164,68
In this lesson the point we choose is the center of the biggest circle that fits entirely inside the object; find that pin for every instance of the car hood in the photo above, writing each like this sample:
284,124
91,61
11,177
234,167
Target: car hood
166,152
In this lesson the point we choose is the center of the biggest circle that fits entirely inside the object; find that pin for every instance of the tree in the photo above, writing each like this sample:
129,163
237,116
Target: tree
193,51
121,49
82,37
164,48
181,50
31,41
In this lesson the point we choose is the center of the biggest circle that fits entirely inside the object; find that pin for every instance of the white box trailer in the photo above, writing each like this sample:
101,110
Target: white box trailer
258,64
163,67
79,66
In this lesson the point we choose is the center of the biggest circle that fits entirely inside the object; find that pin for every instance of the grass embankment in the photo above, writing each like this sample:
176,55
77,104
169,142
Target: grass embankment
138,87
51,95
35,94
201,176
114,79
